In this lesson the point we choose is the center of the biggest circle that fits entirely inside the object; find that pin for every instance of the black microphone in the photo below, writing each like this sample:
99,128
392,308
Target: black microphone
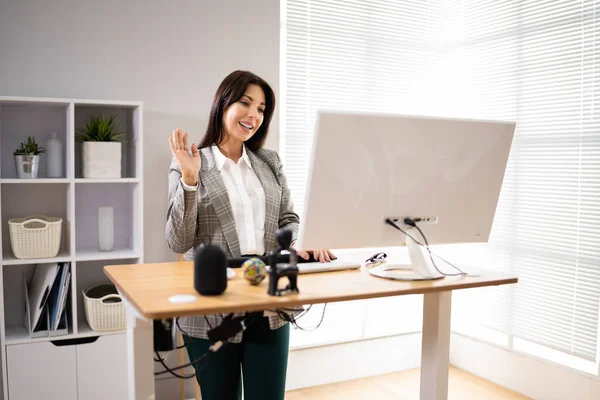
210,270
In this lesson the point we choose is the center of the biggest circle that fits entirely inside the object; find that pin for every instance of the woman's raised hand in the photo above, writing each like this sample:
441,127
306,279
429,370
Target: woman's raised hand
189,165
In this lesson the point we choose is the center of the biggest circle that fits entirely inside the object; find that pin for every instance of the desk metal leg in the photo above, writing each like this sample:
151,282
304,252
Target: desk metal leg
140,363
435,347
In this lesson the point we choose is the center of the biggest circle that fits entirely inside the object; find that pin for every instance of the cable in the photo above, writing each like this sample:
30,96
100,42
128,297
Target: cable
375,260
203,360
293,320
175,374
302,314
433,254
179,327
212,349
413,223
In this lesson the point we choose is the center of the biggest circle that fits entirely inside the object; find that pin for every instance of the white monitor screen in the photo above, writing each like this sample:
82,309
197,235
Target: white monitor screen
366,167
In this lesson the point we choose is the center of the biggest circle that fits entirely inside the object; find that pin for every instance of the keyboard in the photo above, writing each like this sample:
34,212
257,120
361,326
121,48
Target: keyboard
309,266
334,265
316,266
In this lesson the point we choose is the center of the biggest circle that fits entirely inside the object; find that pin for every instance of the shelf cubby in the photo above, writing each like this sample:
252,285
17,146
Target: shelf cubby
39,119
14,305
120,196
91,273
19,201
126,117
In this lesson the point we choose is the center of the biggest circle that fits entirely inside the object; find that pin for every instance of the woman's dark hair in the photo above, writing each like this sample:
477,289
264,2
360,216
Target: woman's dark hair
231,90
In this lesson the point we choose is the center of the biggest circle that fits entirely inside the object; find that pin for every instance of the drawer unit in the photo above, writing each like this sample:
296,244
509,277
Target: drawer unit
91,368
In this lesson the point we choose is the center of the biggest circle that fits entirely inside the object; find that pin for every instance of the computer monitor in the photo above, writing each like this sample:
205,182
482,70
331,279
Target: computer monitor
366,168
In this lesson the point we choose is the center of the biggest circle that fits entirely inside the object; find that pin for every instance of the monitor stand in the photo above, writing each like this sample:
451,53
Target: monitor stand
420,268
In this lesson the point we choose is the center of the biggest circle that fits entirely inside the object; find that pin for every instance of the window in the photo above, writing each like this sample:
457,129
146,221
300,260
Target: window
353,55
535,62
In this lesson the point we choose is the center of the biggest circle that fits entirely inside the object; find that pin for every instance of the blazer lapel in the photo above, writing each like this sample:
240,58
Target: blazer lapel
219,199
272,198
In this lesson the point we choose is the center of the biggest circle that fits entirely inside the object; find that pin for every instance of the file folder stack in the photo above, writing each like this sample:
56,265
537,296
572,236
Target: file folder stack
46,300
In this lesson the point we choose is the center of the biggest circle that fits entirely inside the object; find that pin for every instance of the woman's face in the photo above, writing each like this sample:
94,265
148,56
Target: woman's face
243,118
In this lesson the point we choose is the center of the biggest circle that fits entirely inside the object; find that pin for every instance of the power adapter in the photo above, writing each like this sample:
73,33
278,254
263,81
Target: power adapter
165,335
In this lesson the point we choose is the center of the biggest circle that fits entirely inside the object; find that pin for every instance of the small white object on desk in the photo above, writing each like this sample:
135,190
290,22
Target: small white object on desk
182,298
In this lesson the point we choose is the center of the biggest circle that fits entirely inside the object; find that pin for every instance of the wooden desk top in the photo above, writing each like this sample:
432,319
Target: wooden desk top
148,287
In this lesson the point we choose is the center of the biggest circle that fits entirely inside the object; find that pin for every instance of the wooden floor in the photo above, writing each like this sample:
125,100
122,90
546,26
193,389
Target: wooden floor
405,385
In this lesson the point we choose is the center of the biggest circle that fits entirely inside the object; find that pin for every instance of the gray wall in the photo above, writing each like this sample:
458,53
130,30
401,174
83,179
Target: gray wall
170,55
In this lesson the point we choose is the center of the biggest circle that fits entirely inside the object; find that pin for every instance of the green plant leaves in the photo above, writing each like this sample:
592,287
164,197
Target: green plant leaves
29,147
100,129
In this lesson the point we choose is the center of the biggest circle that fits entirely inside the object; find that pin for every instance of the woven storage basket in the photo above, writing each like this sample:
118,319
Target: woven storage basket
35,236
104,309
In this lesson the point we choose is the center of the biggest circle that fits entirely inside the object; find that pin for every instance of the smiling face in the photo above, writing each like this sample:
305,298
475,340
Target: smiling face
242,119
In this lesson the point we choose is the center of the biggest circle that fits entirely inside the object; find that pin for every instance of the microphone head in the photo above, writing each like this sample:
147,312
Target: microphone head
210,269
284,238
255,270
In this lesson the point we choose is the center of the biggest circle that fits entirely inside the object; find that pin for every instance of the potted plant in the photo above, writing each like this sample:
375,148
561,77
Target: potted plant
101,147
27,159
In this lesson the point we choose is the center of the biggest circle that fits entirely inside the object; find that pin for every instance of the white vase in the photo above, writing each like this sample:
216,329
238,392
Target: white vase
54,157
106,230
101,159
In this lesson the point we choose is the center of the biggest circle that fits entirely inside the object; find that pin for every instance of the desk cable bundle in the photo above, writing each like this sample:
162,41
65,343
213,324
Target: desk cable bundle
293,319
228,328
218,336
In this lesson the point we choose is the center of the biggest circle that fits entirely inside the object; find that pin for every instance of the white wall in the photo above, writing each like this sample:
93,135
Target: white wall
170,55
353,360
534,378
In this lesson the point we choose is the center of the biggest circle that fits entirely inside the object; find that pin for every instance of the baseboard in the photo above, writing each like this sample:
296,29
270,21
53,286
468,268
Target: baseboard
334,363
341,362
353,360
529,376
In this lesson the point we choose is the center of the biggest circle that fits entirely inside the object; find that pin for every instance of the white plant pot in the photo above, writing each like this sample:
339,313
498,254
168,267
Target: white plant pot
101,159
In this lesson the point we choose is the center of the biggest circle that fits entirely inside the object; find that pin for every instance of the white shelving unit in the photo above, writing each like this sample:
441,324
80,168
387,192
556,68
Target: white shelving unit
76,200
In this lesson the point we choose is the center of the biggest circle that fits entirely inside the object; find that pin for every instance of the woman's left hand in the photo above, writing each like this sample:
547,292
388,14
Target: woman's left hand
320,255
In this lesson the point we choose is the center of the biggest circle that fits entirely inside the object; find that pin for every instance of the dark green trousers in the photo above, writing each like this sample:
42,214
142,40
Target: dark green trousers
260,360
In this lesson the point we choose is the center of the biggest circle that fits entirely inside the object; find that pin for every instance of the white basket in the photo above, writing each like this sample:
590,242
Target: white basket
104,309
35,236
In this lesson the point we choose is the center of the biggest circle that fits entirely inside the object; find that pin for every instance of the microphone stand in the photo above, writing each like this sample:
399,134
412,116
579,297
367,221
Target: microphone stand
284,238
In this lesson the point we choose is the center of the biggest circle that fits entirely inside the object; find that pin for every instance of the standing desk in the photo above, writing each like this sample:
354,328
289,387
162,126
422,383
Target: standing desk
146,288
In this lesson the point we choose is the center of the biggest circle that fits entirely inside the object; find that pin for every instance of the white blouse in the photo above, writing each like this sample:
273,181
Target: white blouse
247,199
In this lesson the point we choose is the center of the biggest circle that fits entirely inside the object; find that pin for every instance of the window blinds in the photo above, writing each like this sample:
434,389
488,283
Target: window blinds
352,55
535,62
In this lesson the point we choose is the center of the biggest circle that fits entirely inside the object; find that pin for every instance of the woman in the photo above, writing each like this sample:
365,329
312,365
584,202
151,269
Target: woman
231,192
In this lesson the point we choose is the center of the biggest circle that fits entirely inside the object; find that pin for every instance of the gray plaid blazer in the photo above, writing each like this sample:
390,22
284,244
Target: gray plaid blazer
206,216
